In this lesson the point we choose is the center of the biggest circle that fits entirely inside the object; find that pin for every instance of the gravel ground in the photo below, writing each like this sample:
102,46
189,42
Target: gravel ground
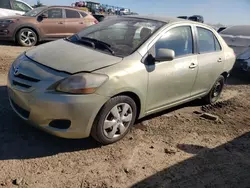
175,148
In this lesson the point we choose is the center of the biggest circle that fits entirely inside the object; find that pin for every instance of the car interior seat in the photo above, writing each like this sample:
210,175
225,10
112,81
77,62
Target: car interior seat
145,33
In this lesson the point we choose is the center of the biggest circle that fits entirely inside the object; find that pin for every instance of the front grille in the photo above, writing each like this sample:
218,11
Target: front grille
23,81
15,83
24,113
22,76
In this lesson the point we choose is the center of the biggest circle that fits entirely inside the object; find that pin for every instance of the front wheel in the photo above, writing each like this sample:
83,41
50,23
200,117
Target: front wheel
26,37
216,90
114,120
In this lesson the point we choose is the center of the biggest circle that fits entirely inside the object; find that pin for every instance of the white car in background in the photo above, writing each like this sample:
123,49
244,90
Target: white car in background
13,7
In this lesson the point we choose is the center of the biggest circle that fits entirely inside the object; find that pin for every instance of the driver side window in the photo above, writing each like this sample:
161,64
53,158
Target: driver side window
178,39
54,13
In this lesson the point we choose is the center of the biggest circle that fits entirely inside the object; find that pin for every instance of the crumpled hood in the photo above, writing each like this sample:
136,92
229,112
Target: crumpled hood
65,56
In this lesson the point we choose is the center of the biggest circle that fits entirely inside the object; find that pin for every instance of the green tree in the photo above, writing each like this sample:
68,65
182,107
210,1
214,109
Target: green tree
38,4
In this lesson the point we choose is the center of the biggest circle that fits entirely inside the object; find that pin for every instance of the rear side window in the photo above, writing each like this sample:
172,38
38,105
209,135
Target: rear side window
207,41
217,44
5,4
54,13
83,14
72,14
178,39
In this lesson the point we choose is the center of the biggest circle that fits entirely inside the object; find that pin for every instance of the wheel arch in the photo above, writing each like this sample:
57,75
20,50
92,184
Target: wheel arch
136,99
225,75
29,26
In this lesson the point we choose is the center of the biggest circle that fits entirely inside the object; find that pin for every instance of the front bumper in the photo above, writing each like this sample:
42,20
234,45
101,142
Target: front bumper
40,108
6,34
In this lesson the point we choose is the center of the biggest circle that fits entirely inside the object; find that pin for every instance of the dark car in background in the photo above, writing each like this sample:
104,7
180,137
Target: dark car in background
43,24
197,18
238,38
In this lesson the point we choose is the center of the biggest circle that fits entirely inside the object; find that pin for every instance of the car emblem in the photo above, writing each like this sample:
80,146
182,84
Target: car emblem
16,71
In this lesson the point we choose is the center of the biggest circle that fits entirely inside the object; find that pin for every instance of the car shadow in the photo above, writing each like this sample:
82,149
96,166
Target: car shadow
239,78
7,43
227,165
18,140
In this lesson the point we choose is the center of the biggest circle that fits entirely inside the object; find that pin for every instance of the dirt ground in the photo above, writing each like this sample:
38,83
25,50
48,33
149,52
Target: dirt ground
176,148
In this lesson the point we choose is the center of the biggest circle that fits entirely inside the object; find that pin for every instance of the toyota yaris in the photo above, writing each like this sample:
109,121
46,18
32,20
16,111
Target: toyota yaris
100,80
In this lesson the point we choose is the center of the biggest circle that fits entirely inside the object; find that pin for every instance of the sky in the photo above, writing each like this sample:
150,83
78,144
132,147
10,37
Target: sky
226,12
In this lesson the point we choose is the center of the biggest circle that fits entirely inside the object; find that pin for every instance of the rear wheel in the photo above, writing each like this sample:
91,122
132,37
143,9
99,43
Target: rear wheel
216,90
114,120
26,37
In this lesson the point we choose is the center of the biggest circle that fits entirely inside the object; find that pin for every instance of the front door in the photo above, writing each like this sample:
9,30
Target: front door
172,81
53,26
210,61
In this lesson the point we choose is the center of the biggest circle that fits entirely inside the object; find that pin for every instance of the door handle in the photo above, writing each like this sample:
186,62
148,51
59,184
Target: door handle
192,66
60,22
80,22
219,60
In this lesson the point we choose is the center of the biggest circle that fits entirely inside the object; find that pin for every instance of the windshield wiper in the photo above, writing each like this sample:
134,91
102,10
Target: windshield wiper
95,41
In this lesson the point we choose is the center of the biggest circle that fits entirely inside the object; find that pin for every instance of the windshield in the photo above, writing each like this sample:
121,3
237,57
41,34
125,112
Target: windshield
34,12
123,35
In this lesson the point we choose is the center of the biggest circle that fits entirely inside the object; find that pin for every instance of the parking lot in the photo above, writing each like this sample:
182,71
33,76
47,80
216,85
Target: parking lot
174,148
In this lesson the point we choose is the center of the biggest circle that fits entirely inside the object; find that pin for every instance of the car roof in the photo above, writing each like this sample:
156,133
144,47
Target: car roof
167,19
68,7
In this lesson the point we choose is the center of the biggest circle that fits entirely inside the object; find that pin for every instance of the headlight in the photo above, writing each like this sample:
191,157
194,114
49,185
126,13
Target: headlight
83,83
7,21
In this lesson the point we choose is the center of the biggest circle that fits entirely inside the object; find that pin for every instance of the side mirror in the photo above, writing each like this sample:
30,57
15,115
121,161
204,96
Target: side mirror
163,54
42,16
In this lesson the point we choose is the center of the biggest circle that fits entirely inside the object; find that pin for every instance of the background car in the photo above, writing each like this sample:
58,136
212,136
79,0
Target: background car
100,80
196,18
13,7
237,37
243,61
43,24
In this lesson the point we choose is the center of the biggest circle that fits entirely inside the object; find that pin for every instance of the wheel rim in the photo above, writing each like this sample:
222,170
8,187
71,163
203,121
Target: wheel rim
28,37
217,89
118,120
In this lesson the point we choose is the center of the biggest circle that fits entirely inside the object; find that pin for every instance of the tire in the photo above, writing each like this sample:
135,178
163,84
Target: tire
104,132
27,37
216,90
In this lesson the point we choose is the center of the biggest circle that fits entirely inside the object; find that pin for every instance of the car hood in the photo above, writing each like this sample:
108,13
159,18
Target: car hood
65,56
245,55
14,17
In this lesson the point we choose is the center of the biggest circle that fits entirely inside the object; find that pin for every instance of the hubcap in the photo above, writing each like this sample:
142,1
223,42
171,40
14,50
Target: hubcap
118,120
217,89
28,37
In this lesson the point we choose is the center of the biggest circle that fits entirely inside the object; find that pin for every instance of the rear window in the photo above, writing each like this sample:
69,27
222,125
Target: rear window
83,14
243,30
5,4
72,14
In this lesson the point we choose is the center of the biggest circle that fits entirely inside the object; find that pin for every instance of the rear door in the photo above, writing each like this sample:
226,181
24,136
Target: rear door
74,22
53,26
210,60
